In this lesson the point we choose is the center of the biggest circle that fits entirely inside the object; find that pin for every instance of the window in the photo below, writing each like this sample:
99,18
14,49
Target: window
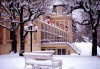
59,51
8,36
49,28
58,32
35,35
52,29
68,52
53,38
54,51
56,39
55,31
45,27
1,35
63,51
42,49
42,35
46,36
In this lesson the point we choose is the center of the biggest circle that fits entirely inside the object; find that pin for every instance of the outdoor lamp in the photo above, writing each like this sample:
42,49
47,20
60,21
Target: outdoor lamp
28,28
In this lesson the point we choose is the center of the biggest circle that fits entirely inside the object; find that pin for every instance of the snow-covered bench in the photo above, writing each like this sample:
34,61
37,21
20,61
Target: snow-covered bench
45,52
41,60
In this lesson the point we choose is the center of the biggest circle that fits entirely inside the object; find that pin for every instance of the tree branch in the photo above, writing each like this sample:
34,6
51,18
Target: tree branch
5,9
25,34
81,5
29,15
5,27
98,19
36,13
84,22
17,26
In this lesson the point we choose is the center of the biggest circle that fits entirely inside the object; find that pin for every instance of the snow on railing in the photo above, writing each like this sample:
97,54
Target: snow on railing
55,43
75,48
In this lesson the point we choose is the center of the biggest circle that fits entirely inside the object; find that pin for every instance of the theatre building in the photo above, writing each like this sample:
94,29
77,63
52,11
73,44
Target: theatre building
54,33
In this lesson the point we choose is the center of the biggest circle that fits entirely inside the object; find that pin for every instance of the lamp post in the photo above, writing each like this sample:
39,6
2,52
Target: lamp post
29,29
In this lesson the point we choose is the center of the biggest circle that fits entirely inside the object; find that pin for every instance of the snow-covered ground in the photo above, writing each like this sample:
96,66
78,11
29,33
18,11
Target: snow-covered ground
82,61
13,61
85,48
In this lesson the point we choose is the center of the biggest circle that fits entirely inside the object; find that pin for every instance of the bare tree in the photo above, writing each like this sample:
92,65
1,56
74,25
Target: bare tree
91,17
33,11
18,13
9,22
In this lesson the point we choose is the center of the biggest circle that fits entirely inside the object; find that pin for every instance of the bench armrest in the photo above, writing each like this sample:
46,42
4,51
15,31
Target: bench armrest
56,63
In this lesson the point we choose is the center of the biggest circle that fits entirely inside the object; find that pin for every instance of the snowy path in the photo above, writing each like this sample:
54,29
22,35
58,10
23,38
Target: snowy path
69,62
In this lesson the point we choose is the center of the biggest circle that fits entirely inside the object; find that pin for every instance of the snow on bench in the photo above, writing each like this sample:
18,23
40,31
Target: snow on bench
45,52
42,60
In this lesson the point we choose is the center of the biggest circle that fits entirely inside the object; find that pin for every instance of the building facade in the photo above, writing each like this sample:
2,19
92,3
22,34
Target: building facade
54,33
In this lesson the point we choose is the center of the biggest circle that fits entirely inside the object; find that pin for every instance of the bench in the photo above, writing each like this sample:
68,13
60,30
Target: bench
41,60
45,52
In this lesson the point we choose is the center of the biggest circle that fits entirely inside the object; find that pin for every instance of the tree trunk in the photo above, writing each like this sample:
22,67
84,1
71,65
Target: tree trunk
14,41
21,33
14,46
94,41
21,40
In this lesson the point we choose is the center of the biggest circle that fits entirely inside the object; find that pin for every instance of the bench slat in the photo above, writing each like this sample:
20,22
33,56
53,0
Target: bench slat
41,59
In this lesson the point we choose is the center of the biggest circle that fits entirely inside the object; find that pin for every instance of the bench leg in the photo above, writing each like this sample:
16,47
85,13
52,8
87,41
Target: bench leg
33,67
60,68
36,66
27,65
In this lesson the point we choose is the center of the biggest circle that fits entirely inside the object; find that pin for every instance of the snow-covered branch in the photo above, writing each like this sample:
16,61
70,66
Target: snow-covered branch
84,22
81,5
34,10
4,26
5,9
98,19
